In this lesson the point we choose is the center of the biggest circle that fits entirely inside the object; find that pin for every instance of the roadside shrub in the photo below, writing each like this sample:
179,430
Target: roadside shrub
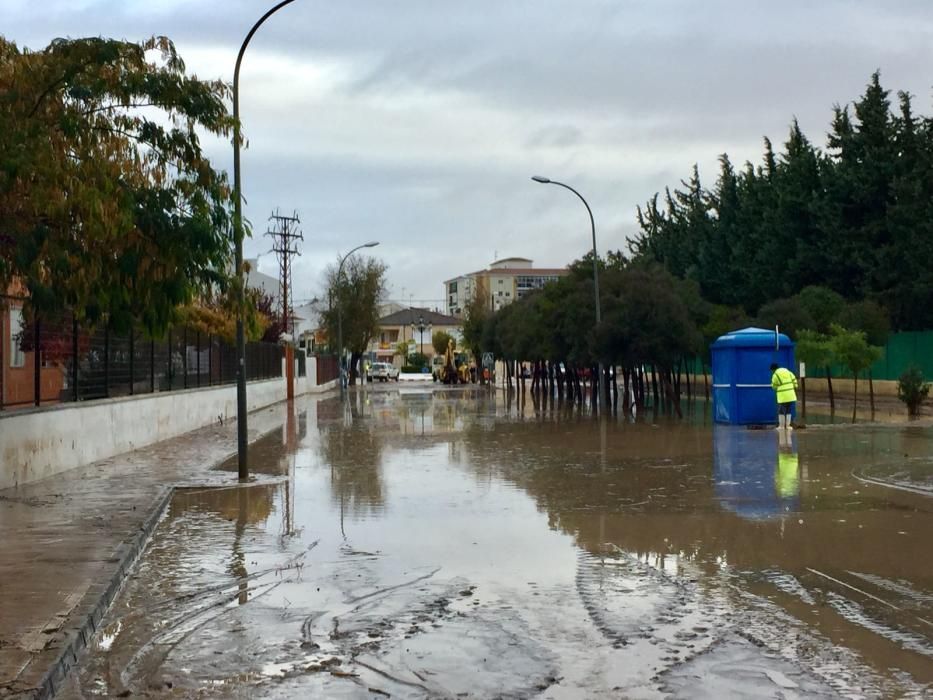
417,360
912,390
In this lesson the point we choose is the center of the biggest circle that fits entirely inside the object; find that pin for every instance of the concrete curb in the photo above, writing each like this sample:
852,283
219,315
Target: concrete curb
126,556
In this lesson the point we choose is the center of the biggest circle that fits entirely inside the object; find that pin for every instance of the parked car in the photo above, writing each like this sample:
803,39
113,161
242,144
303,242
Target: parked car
383,371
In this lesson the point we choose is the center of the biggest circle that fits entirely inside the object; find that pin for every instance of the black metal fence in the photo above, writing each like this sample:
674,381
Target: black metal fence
327,369
51,362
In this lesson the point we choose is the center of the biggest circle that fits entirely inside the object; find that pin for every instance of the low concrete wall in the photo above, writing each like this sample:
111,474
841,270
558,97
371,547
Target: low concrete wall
37,443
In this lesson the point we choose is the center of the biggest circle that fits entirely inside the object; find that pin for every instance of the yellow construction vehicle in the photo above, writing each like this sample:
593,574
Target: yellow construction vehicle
452,367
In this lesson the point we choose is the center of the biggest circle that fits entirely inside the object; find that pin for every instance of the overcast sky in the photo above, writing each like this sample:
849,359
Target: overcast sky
418,123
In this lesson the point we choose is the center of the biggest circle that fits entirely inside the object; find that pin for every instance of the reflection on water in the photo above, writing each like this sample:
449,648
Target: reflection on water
756,472
435,542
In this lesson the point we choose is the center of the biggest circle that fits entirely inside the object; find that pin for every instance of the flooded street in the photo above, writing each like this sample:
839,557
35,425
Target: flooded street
427,542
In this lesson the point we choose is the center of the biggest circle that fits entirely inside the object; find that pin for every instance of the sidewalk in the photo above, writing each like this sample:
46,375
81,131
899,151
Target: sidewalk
69,540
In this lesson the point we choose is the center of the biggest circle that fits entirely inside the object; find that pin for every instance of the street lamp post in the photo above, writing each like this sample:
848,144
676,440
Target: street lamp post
241,431
371,244
548,181
420,326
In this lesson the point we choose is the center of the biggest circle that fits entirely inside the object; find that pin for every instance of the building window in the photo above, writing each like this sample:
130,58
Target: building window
17,356
452,288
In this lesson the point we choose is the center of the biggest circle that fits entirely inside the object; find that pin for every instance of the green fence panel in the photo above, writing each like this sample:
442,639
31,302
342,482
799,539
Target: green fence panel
901,351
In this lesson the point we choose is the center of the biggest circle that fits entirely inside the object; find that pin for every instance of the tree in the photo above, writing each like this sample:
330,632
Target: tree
823,305
108,204
815,350
355,303
216,314
868,317
788,314
440,341
474,322
856,219
852,350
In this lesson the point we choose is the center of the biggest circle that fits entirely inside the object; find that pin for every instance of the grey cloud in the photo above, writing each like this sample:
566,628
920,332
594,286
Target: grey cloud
569,84
557,136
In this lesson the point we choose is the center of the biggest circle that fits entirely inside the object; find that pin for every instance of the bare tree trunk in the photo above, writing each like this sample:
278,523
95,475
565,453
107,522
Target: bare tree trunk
640,386
670,392
354,361
854,395
832,399
615,389
871,394
705,381
687,369
803,398
593,383
654,386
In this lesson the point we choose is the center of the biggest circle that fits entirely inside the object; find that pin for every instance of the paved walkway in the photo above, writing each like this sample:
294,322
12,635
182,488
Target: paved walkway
68,540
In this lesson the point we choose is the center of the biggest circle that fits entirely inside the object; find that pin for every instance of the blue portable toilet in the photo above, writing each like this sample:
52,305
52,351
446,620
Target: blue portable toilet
742,392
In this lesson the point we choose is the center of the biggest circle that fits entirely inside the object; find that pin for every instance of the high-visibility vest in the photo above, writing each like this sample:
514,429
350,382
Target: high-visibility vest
784,383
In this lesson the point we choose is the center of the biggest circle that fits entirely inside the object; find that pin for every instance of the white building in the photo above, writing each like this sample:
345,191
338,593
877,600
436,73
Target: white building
255,279
501,283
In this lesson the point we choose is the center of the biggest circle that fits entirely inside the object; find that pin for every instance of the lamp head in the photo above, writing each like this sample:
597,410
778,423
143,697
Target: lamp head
371,244
540,178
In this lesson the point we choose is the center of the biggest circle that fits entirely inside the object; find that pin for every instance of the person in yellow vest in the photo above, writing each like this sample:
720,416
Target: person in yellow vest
784,384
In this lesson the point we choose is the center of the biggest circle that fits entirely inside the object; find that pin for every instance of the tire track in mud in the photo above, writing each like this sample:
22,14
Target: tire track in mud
629,600
153,652
423,636
858,615
626,598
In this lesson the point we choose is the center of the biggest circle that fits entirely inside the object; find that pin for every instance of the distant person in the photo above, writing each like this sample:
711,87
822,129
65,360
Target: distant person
784,383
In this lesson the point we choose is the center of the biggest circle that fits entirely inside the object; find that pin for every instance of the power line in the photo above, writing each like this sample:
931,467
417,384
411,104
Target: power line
285,233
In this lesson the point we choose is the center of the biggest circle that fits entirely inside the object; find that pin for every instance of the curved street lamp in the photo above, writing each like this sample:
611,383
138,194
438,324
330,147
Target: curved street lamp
241,432
421,325
371,244
548,181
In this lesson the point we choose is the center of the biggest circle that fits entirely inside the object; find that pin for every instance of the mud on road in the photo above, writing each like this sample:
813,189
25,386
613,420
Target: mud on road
427,543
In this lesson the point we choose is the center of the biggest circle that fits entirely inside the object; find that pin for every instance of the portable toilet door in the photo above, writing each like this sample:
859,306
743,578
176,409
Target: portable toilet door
742,392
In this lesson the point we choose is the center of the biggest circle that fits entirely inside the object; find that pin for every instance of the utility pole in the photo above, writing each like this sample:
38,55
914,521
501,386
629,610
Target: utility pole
284,233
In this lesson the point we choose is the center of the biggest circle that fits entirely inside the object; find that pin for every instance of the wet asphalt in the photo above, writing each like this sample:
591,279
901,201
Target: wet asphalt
417,541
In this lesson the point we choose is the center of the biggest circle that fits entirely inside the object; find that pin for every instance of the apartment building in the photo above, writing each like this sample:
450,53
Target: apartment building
501,283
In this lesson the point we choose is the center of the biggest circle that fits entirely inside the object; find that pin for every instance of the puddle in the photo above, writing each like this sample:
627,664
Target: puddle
432,543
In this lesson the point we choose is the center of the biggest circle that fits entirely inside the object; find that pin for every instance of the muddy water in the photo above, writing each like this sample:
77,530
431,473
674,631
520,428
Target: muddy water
426,543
